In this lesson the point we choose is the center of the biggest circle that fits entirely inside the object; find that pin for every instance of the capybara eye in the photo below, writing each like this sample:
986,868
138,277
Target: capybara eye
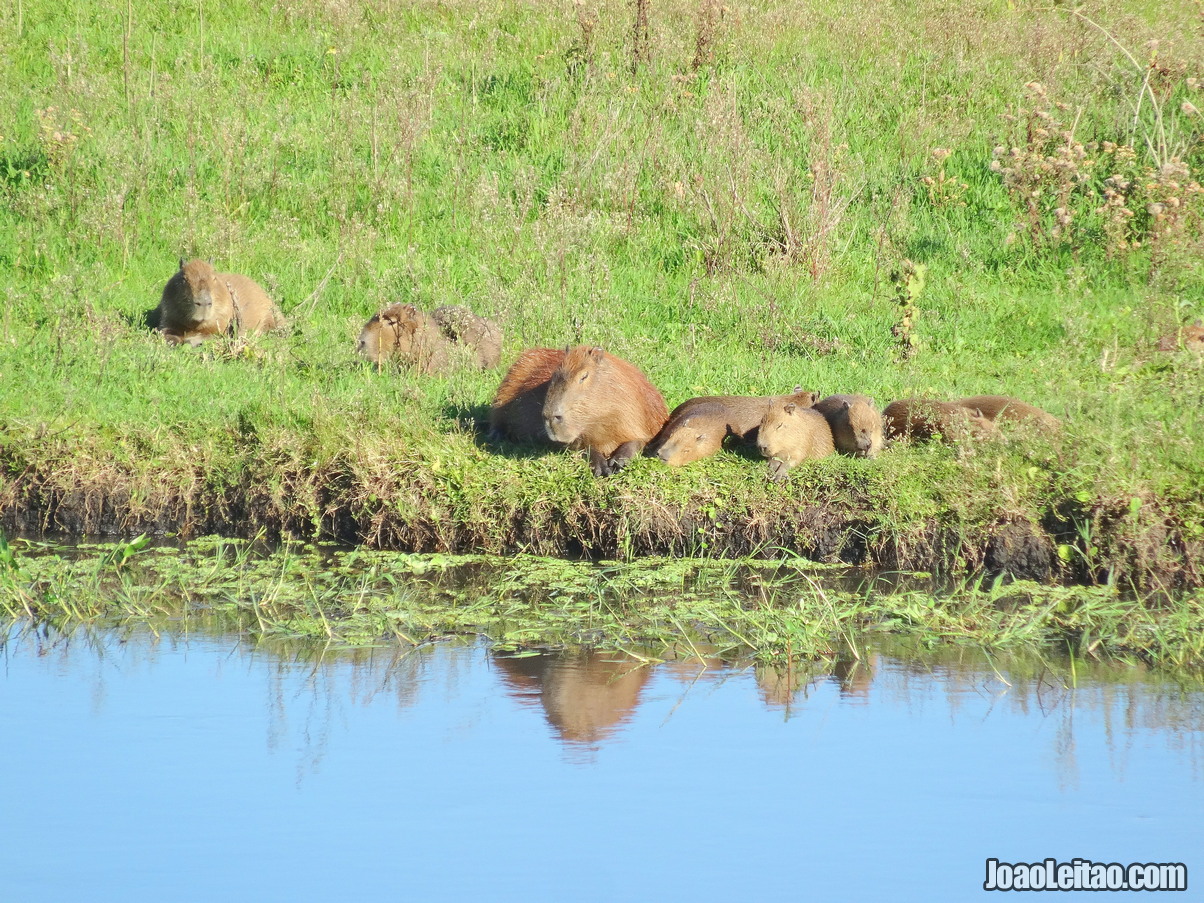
584,377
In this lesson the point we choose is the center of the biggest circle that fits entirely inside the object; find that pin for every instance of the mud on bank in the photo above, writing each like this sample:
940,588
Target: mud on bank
840,511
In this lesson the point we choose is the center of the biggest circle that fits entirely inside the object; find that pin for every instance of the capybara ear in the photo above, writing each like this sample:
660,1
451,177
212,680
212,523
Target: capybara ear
845,406
181,263
796,390
596,352
788,408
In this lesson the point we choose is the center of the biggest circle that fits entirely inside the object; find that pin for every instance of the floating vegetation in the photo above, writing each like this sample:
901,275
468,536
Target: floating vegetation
657,607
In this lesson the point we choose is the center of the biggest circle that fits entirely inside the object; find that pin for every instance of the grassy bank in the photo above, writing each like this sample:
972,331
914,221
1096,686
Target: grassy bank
723,204
654,608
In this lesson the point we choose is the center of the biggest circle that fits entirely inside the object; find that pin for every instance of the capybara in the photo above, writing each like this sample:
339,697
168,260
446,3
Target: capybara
602,403
791,433
855,422
1011,410
697,427
407,333
1189,338
198,301
923,419
425,341
481,335
517,410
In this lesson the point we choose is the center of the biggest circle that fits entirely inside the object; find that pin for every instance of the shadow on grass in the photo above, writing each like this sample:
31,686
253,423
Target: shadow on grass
474,420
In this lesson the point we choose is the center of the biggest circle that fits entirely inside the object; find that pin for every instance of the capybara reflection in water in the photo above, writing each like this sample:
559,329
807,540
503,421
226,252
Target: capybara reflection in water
602,403
517,409
198,302
923,419
1005,409
586,697
697,427
791,433
855,423
1189,338
428,342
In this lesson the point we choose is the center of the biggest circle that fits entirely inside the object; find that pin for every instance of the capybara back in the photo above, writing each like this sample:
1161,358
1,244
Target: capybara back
479,334
1004,408
517,409
254,311
923,419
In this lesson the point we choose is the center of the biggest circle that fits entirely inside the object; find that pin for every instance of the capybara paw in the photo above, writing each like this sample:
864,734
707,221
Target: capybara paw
778,472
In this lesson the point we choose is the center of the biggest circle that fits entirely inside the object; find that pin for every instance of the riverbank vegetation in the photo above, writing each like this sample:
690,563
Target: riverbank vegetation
721,195
779,613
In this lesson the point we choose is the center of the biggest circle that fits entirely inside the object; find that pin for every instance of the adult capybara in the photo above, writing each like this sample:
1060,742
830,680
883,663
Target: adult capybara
922,419
602,403
1189,338
1004,408
855,422
791,433
517,409
198,301
697,427
426,342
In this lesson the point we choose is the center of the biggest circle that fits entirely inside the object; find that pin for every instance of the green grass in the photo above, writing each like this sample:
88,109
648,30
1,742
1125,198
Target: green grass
730,229
657,608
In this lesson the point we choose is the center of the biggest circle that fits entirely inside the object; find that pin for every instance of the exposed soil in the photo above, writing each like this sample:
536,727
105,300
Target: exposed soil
1157,556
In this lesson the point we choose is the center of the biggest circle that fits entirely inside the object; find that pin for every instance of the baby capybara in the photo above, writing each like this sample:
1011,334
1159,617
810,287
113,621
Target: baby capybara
697,427
1189,338
1003,408
425,341
791,433
517,409
922,419
198,301
602,403
855,422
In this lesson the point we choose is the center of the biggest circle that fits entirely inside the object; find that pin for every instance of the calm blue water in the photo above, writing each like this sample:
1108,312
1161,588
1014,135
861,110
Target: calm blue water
172,769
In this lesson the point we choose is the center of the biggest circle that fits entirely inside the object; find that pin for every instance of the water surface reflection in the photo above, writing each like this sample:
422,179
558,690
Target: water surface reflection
194,767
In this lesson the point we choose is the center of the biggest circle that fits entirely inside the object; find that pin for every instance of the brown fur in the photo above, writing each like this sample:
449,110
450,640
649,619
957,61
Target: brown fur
1189,338
1003,408
697,427
517,410
482,336
404,332
198,302
923,419
791,433
426,342
602,403
586,697
855,422
253,309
